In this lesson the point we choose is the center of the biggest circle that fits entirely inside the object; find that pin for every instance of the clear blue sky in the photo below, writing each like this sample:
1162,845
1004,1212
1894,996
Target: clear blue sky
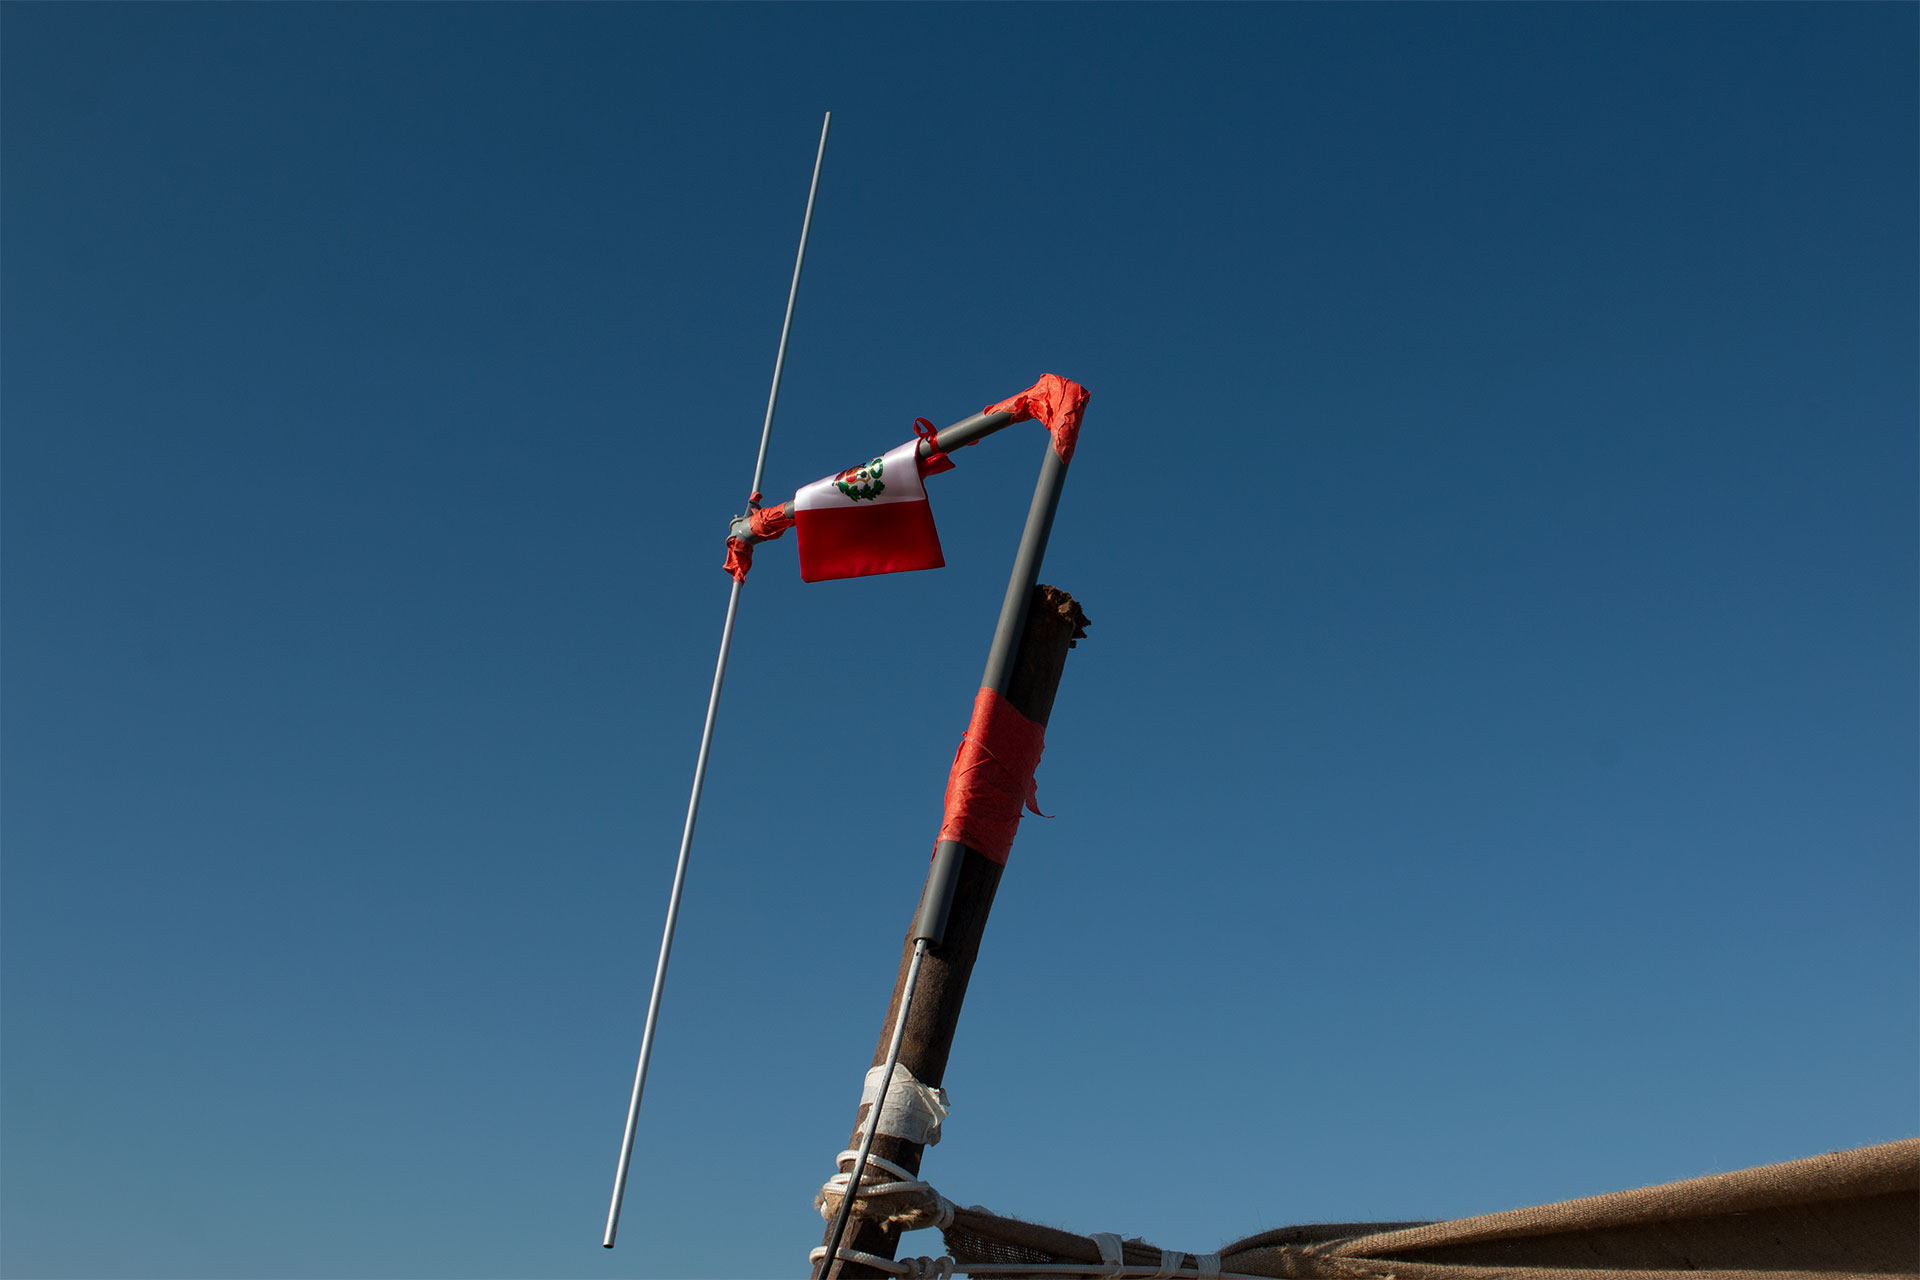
1490,777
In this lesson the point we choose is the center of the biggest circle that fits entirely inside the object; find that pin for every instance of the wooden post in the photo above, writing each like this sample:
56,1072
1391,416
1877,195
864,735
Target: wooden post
1054,621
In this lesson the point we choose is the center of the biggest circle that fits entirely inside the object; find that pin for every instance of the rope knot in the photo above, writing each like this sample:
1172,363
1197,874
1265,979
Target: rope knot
887,1195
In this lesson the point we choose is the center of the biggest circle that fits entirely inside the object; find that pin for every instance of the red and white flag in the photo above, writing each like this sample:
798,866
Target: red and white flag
867,519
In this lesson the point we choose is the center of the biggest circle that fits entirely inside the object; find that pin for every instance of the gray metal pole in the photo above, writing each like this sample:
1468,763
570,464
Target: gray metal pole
793,293
706,733
1026,571
966,431
931,923
936,902
673,917
943,877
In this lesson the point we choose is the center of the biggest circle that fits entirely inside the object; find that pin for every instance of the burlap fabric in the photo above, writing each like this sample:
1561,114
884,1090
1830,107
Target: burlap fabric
1848,1213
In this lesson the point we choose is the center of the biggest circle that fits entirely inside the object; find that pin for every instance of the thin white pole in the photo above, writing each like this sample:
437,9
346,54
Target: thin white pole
793,292
831,1259
706,732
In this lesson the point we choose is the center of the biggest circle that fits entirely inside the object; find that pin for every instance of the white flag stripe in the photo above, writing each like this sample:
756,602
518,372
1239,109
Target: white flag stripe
899,482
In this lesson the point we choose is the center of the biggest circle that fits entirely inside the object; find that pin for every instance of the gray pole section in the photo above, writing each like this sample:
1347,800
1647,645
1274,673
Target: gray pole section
944,877
1026,571
967,431
793,293
706,734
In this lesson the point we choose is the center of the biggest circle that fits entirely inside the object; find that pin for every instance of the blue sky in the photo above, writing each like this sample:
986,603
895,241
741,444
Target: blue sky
1490,777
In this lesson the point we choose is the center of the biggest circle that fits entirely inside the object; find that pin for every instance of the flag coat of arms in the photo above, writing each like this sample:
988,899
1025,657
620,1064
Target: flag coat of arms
868,519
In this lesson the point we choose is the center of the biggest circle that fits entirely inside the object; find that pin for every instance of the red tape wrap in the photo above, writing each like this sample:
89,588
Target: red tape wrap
739,559
992,777
1057,402
770,522
767,524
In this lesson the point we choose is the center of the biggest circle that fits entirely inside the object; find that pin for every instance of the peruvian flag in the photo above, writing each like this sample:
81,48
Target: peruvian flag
868,519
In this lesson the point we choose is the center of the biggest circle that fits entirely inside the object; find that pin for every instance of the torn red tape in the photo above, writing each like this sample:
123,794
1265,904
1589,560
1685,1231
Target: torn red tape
739,558
769,523
992,777
1057,402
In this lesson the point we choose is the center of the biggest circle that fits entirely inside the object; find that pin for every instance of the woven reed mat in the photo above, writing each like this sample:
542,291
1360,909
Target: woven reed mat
1851,1213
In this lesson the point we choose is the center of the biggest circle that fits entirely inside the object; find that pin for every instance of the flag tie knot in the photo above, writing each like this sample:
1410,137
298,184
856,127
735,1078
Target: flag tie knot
936,462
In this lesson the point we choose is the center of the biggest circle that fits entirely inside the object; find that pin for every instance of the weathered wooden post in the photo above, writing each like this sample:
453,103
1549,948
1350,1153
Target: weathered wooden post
1053,622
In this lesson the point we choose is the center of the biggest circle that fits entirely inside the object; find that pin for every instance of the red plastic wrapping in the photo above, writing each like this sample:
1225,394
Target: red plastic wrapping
1057,402
739,559
767,523
992,777
770,522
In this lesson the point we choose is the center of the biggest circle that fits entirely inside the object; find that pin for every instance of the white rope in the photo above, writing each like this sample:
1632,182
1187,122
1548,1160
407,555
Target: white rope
920,1268
924,1268
1108,1267
847,1254
1098,1269
903,1183
1112,1264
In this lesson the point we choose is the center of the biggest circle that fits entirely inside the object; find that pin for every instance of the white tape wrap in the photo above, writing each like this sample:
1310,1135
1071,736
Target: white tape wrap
913,1110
